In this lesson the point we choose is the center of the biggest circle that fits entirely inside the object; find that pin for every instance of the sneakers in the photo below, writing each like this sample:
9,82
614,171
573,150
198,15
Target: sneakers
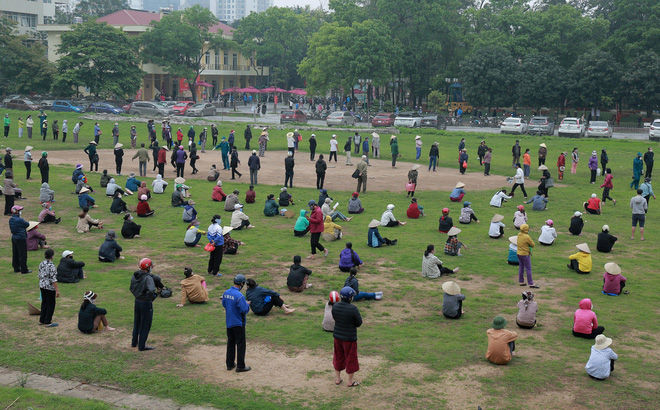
379,295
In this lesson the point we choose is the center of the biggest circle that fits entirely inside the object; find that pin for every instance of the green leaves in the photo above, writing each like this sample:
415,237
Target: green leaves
488,76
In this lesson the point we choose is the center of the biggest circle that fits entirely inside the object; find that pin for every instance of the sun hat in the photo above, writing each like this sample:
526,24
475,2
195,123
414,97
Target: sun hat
191,202
84,189
392,137
513,240
577,213
238,206
499,322
612,268
583,247
375,223
289,135
346,292
93,143
32,225
143,198
549,222
119,145
521,207
254,152
606,228
602,342
334,135
28,148
497,218
226,229
466,204
460,185
313,135
179,180
67,253
390,207
375,135
296,130
542,145
79,166
415,167
453,231
594,196
451,288
419,137
543,168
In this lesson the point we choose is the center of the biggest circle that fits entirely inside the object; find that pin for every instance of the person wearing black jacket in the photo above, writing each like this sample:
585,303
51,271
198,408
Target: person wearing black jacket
515,151
119,157
254,164
69,270
312,147
321,166
143,287
577,223
154,151
648,160
298,275
347,319
481,152
234,162
90,316
130,229
434,154
118,205
288,170
604,159
605,240
247,134
214,134
9,162
43,167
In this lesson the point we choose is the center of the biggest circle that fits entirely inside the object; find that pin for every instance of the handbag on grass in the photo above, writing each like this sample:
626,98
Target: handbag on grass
209,247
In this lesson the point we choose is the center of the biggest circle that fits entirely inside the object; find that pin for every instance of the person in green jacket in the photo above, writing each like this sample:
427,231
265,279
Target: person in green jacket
638,167
302,224
7,122
90,150
271,208
394,147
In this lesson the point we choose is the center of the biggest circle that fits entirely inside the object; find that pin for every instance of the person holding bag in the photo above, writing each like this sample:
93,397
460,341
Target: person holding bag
412,180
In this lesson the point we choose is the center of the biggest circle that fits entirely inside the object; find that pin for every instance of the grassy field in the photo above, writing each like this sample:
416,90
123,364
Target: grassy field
412,356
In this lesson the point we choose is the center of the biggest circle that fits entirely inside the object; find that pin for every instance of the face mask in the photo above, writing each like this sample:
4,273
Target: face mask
50,208
217,221
131,218
20,213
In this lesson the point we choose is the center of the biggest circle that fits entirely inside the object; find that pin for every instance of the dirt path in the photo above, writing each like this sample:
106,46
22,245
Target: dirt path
381,175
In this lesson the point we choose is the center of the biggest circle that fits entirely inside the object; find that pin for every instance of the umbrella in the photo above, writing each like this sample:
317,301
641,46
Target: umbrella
298,91
230,90
203,84
273,90
249,89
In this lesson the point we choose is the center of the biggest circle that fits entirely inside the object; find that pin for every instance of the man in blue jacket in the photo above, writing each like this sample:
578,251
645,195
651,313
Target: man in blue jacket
236,307
17,226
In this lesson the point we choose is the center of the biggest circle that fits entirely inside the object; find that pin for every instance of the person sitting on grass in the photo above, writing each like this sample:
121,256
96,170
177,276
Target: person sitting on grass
496,230
527,308
348,258
453,245
132,183
231,245
577,223
539,201
177,197
46,194
218,194
457,193
355,204
110,249
232,200
193,235
602,358
189,213
302,224
499,198
452,300
262,300
432,266
512,259
144,190
414,209
580,262
118,205
467,214
328,323
130,229
90,317
35,239
239,220
585,321
271,208
85,222
501,342
332,212
374,240
605,240
193,288
285,199
352,282
593,206
548,233
70,270
519,217
105,178
298,275
143,208
613,280
250,195
388,219
445,223
86,201
47,214
331,231
113,188
159,184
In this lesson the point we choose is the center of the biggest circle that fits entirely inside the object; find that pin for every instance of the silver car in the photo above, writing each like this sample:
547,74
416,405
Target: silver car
540,126
599,129
150,108
340,118
200,110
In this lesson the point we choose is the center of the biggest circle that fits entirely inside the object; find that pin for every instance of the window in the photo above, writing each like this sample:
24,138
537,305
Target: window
48,20
234,60
207,58
48,1
226,59
217,60
23,20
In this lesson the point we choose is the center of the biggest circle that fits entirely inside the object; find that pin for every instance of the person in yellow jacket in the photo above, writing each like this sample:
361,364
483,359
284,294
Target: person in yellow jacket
525,243
331,231
580,262
193,288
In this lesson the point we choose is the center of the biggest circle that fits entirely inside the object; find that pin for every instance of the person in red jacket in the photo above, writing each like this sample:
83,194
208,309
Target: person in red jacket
143,208
250,195
561,165
316,228
607,186
414,210
162,160
218,195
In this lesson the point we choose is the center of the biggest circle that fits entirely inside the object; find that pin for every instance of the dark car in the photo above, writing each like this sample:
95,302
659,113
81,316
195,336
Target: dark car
434,121
293,116
22,104
383,119
105,108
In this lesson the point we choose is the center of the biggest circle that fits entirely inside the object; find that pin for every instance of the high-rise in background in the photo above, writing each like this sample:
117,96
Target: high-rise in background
224,10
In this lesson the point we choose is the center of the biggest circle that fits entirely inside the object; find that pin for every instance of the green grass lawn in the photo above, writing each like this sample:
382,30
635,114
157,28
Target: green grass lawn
405,328
21,398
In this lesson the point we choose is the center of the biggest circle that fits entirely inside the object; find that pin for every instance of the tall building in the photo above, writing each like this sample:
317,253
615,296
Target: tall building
154,5
28,13
231,10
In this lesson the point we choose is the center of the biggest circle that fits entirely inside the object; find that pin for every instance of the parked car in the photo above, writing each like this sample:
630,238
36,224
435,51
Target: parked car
182,106
9,98
434,121
383,119
340,118
66,106
599,129
654,130
292,116
513,125
200,110
571,127
540,126
46,104
21,104
149,108
408,119
105,108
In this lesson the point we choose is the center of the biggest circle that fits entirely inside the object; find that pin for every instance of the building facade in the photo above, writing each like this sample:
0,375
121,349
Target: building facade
231,10
28,13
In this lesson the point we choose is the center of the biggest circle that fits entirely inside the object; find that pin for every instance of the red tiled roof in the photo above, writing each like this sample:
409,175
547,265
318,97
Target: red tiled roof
144,18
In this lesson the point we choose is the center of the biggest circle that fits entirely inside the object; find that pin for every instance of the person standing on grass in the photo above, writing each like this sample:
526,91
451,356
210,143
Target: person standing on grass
648,161
515,151
561,165
312,147
29,124
316,229
543,152
347,319
289,164
593,166
527,163
639,206
347,151
357,141
519,181
362,174
143,288
7,125
76,131
462,161
604,159
418,147
394,149
263,142
21,124
247,134
488,156
481,152
607,186
97,132
365,149
18,227
647,191
49,289
638,167
524,253
321,167
434,154
333,148
236,307
27,160
375,145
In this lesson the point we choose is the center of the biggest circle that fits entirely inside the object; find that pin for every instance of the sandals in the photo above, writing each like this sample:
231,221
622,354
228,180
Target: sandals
534,286
523,284
354,384
340,381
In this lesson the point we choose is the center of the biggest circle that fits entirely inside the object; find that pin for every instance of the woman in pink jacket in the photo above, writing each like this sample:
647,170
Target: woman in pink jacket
585,322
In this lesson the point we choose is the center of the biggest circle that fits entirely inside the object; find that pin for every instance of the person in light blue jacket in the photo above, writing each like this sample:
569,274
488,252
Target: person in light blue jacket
601,361
214,235
374,239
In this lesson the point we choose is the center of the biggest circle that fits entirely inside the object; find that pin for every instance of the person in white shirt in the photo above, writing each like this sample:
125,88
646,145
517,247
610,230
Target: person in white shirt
548,233
519,181
519,217
333,148
388,219
496,230
239,220
498,199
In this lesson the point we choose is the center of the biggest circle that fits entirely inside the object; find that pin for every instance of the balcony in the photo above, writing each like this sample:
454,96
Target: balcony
228,69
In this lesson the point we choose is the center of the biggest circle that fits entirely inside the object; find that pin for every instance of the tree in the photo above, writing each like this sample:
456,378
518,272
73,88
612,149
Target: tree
634,28
100,57
437,101
594,79
24,67
641,82
177,42
541,81
326,64
488,76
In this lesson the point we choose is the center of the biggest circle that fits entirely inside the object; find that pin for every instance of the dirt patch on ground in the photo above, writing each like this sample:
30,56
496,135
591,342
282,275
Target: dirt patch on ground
381,175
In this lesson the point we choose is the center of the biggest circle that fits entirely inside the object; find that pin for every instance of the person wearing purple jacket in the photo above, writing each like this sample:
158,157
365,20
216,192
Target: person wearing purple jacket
348,258
180,161
593,166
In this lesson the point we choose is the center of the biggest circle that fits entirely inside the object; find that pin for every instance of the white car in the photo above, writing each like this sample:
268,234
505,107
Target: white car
408,119
513,125
599,129
571,127
654,131
340,118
